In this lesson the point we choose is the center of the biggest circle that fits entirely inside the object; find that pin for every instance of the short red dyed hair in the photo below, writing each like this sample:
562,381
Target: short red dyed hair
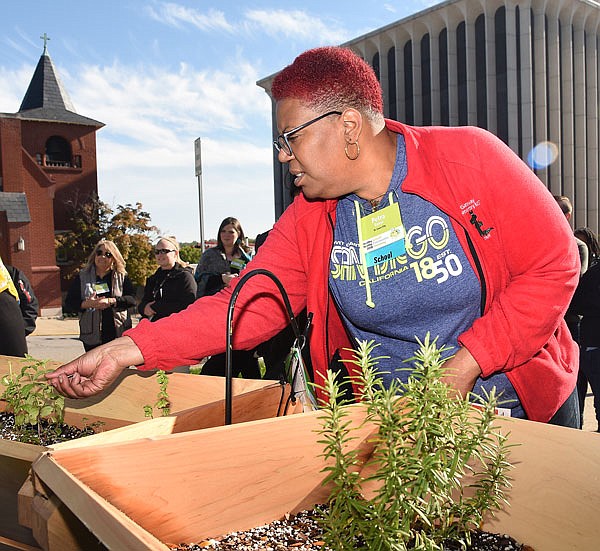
330,78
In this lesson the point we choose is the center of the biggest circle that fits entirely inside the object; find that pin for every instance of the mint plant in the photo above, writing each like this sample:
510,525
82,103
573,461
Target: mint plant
31,398
440,464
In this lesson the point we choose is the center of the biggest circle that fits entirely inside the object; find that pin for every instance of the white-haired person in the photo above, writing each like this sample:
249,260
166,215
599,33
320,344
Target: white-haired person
103,296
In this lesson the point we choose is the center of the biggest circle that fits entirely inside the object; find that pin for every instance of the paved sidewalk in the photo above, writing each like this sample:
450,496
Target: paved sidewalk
46,327
54,327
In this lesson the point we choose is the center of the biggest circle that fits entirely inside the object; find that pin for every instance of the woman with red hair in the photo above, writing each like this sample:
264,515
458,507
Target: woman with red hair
399,231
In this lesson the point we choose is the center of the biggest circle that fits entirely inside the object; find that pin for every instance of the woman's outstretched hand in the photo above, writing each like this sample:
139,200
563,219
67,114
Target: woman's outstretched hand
95,370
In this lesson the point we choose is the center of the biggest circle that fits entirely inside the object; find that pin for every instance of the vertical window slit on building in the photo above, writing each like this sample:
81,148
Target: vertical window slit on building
501,76
532,76
481,72
408,84
461,77
519,84
391,58
426,79
444,99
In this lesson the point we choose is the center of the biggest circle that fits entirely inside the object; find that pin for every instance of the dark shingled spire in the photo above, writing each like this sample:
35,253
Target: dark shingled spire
46,99
45,89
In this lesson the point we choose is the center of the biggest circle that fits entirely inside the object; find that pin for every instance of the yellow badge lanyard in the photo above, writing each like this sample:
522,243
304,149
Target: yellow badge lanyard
6,282
363,257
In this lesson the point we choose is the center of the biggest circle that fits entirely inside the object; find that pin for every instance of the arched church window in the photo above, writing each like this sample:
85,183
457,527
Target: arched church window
58,152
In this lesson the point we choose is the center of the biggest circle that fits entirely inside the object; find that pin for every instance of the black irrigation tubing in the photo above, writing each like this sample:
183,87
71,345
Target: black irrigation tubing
232,300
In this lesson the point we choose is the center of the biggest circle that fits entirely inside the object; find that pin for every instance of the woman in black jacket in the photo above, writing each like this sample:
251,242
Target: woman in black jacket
586,303
172,287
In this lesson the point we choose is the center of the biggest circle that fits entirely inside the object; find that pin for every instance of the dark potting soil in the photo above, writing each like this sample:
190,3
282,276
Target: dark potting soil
47,434
302,532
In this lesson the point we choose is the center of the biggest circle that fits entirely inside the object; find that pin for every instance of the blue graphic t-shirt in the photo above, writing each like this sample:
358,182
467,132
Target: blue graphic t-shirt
430,287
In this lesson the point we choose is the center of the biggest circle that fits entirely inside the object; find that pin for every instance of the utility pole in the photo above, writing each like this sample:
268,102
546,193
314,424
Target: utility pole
198,152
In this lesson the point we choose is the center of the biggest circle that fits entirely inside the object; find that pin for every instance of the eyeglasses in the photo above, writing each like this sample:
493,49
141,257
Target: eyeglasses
163,251
107,254
282,143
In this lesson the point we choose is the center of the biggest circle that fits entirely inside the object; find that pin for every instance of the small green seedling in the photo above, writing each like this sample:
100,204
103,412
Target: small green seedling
31,398
163,404
262,366
92,428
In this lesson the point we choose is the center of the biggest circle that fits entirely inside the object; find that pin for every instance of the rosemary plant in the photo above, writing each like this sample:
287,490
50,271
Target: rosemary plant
439,463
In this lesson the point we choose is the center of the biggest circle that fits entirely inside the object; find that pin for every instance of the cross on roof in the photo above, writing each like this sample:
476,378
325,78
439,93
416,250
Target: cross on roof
45,38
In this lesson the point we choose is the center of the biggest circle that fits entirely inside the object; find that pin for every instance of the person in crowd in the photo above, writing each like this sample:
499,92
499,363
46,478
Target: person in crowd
219,265
276,350
12,336
573,320
587,236
172,287
567,209
217,268
28,302
103,296
586,303
399,231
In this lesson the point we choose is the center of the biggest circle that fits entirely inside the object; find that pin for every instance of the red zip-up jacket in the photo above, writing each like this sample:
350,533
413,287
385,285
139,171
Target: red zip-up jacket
515,235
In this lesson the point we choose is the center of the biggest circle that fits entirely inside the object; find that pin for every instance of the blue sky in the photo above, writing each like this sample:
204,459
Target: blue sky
160,74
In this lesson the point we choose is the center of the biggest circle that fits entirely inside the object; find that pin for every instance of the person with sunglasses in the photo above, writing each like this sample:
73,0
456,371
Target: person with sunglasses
400,231
103,296
172,287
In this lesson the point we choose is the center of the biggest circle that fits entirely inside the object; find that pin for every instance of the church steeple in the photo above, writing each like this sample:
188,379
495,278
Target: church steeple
46,99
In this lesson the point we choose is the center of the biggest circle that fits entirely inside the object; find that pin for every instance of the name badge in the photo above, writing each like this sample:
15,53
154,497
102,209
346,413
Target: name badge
237,264
383,235
101,288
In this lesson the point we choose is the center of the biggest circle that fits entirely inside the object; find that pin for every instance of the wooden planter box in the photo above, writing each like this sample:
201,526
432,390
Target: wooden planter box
147,493
196,402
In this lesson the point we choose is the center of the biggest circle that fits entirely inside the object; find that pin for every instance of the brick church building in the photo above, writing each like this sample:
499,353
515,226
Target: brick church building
47,155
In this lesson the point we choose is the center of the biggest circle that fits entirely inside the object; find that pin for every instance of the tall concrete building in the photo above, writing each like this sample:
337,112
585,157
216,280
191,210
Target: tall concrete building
527,71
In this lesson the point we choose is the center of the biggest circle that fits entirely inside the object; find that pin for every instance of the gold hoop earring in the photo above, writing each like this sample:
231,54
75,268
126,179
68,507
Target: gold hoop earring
357,151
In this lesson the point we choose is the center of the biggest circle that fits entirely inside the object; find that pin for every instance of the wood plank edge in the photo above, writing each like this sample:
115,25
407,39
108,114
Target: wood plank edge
111,526
18,545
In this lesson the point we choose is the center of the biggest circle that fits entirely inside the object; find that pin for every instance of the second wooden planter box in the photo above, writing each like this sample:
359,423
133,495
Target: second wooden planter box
149,492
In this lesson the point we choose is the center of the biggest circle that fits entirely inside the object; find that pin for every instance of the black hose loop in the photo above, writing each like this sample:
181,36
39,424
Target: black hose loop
232,300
